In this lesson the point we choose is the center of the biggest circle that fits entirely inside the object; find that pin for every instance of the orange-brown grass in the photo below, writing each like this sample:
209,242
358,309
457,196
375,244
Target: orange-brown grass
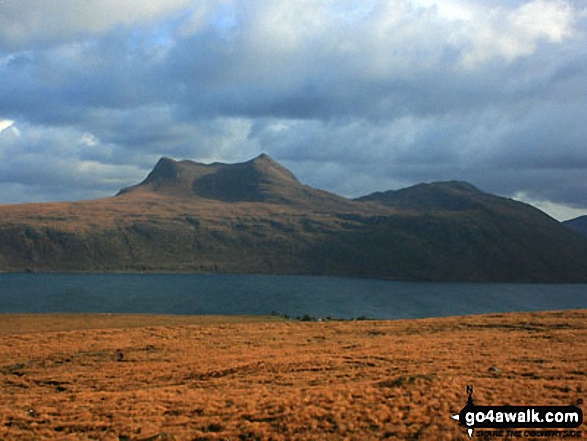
259,379
127,209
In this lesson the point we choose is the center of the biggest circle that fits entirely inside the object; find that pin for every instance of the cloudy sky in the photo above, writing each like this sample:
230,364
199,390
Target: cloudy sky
353,96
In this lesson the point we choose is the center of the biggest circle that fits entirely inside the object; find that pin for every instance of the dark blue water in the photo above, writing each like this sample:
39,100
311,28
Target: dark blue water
291,295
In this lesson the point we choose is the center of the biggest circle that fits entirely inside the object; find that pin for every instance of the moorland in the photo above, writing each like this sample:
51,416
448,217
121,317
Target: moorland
143,377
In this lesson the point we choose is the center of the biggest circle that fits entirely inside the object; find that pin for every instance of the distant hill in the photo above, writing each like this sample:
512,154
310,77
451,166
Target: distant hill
579,224
440,196
256,217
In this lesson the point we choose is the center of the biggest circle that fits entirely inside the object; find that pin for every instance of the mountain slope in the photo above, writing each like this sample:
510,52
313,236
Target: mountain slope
579,224
481,236
256,217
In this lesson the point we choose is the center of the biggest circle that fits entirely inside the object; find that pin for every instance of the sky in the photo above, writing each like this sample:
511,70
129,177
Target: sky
353,96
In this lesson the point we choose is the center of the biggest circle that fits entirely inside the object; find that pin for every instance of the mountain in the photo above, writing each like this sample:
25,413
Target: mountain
258,180
256,217
579,224
441,196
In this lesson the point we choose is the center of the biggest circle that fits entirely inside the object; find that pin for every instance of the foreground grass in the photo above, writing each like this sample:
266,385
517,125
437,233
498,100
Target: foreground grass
260,378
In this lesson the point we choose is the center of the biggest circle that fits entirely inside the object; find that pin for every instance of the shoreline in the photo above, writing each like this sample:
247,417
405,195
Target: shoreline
32,272
23,323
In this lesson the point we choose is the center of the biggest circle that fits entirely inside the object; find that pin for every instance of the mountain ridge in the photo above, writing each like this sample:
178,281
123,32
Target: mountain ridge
260,179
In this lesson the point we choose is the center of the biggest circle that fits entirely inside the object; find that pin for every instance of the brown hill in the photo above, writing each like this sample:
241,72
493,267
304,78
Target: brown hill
256,217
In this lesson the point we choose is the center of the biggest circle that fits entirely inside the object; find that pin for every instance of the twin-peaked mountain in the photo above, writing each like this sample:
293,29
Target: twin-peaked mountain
258,180
256,217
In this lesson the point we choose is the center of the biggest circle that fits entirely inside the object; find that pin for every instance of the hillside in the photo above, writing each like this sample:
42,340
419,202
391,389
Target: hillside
256,217
579,224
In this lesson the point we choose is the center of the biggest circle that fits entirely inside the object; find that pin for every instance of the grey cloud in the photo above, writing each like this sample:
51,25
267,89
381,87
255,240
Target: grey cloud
493,150
55,159
352,98
15,193
214,74
25,23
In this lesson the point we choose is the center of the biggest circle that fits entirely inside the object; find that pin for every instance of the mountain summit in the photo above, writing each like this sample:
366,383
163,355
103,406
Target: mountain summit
450,195
259,180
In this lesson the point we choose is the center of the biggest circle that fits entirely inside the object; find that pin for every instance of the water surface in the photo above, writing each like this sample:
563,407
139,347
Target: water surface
263,294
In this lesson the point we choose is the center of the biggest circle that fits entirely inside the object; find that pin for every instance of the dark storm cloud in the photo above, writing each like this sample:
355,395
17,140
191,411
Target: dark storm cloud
353,96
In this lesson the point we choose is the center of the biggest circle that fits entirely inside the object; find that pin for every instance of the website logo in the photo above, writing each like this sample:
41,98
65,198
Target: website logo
474,417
